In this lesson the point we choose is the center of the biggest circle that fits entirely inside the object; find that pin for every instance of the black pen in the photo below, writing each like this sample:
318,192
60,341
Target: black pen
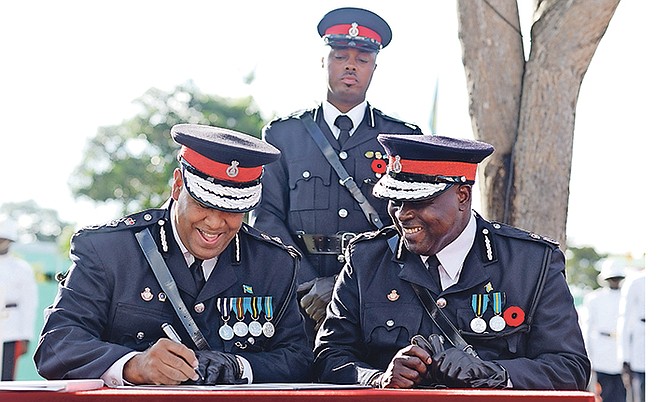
170,332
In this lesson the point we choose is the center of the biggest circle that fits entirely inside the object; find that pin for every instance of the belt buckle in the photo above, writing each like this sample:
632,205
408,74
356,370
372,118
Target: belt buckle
345,238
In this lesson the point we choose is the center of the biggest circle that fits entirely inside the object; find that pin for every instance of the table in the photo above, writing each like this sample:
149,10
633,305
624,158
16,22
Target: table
336,395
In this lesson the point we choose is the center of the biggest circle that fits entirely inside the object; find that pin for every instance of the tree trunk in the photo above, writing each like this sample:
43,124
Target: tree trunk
529,122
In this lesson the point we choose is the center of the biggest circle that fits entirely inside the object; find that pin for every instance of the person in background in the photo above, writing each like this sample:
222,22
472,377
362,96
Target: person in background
226,289
304,200
600,312
503,289
631,326
19,288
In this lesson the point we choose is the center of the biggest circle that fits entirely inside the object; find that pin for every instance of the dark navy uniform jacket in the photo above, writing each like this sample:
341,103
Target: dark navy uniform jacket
375,311
111,303
301,192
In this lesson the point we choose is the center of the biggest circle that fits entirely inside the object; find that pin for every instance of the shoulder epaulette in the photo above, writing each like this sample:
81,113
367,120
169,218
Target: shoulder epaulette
393,119
381,233
274,240
511,231
134,221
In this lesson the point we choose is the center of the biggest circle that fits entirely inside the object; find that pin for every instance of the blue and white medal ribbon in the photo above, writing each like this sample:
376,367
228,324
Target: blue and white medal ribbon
497,322
480,302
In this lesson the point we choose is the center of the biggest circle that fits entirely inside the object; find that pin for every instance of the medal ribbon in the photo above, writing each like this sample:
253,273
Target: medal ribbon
268,308
223,306
480,303
247,304
256,305
497,302
237,307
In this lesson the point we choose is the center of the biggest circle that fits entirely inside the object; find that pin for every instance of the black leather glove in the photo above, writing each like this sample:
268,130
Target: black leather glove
319,291
456,369
218,368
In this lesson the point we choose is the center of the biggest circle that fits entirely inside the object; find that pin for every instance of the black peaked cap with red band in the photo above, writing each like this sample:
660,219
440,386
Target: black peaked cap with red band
424,166
222,168
355,27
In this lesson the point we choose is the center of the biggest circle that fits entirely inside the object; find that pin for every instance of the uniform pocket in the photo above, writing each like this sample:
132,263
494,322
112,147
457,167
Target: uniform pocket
390,326
137,327
309,180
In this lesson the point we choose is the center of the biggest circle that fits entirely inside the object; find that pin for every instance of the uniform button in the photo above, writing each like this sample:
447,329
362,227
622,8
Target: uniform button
441,303
114,382
344,155
147,217
306,174
140,335
199,308
343,213
390,323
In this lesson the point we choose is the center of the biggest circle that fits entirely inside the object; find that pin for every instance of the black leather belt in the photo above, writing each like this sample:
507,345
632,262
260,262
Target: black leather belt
326,244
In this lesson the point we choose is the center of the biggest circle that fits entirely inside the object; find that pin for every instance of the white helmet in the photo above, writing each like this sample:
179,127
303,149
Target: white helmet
612,268
9,229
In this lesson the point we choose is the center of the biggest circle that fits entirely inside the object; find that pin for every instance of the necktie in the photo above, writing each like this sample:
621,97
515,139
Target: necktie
344,123
198,275
433,264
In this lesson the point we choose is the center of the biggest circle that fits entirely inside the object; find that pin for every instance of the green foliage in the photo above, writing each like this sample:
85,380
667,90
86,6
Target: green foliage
36,223
133,163
581,267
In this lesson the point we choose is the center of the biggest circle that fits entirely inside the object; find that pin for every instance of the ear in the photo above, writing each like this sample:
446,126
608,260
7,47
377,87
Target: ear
178,184
464,193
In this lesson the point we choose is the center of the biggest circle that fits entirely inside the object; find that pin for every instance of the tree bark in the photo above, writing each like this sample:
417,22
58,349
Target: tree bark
527,183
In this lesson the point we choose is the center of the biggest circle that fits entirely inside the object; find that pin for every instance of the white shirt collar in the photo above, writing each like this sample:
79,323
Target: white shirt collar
207,265
356,114
453,255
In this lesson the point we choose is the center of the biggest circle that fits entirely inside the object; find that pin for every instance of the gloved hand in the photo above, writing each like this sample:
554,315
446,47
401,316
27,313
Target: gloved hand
319,291
456,369
216,367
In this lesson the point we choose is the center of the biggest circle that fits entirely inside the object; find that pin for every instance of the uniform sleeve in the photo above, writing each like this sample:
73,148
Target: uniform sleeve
71,344
271,215
339,342
556,357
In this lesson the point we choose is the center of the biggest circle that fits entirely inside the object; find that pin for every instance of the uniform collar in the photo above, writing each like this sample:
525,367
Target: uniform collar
356,114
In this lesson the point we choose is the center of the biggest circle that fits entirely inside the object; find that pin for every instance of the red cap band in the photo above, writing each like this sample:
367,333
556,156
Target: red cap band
439,168
345,29
220,171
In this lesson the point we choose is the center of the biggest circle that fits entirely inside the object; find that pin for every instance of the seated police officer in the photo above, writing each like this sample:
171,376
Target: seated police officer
226,289
503,289
304,201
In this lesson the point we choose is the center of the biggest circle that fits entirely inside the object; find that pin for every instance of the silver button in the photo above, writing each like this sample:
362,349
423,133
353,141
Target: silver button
199,308
140,335
343,213
306,174
344,155
148,217
390,323
441,302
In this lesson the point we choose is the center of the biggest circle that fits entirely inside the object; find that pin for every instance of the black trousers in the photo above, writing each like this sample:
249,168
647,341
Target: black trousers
612,388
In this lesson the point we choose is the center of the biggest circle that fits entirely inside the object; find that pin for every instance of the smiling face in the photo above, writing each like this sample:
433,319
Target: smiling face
205,231
430,225
349,75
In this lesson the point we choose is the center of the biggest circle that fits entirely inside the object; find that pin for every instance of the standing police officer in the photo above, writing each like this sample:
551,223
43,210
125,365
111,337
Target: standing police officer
502,289
304,201
226,289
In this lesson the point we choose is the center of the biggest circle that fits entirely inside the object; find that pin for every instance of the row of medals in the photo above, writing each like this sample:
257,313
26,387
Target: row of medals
240,328
480,304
